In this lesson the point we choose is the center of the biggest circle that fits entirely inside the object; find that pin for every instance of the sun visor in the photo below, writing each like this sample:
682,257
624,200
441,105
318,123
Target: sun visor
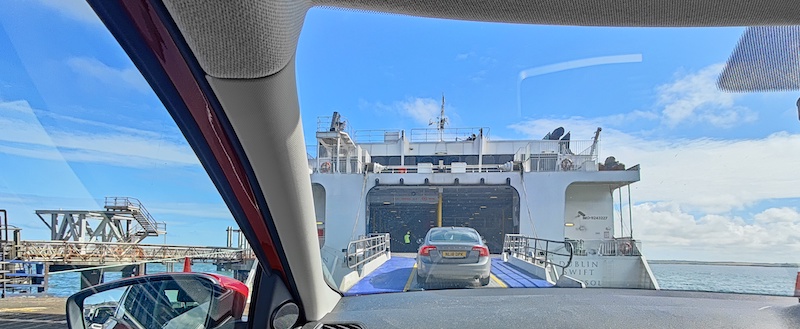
767,58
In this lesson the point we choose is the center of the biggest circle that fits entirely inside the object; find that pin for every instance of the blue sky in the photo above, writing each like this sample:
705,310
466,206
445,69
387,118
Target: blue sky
718,171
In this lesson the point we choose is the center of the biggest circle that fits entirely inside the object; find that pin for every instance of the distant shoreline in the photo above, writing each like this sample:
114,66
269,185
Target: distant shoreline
691,262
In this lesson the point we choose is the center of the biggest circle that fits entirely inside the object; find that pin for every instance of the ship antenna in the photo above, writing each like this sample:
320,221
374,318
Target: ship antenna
442,121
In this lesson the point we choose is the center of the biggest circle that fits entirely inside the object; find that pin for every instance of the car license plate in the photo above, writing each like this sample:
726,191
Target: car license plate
454,254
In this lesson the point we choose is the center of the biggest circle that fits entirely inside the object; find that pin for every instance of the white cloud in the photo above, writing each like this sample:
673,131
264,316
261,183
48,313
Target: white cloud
463,56
690,99
690,188
668,232
422,110
192,210
103,125
25,136
91,67
74,9
479,76
22,207
694,98
710,175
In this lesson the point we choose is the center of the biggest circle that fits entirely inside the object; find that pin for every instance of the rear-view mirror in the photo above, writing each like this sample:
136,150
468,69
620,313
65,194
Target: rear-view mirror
175,300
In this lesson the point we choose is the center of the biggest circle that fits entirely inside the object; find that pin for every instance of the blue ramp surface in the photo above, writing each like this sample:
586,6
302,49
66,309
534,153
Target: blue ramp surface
514,277
389,277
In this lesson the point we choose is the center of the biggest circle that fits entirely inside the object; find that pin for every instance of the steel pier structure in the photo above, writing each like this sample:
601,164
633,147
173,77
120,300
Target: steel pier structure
110,240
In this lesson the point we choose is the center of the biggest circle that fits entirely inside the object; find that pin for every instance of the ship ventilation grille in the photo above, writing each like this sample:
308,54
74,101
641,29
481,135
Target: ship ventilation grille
341,326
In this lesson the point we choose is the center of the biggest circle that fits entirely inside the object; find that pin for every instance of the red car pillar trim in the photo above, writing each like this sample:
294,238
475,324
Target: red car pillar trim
164,48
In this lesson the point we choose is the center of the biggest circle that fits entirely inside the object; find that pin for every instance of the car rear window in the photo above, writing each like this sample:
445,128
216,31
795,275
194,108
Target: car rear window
453,236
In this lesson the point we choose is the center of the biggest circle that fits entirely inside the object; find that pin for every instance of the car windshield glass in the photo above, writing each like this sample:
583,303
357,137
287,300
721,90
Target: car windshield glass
94,167
577,149
454,236
604,157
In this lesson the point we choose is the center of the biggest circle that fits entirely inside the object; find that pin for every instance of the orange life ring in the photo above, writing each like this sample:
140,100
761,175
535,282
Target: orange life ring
625,248
325,167
401,170
566,165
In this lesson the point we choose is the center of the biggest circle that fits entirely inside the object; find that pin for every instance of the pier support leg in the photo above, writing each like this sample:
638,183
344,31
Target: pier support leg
91,277
46,279
241,275
132,270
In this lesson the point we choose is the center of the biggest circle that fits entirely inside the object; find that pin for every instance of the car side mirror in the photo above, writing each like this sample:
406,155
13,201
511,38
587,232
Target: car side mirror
419,241
174,300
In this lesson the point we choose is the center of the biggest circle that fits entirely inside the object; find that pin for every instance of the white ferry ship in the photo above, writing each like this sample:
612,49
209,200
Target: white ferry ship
403,183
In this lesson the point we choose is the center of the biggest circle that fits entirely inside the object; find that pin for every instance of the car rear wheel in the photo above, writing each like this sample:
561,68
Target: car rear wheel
485,281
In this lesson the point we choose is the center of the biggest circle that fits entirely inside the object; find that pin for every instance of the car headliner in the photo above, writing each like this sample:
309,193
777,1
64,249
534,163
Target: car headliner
246,49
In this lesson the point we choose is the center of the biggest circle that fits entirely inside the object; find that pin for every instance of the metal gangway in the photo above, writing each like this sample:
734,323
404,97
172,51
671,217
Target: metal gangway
81,253
124,219
147,225
366,249
539,252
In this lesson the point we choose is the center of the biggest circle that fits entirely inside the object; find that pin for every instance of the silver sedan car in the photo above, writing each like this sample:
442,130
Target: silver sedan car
453,253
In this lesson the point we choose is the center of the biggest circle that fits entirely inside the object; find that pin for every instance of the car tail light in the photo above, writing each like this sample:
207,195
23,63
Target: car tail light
426,250
484,252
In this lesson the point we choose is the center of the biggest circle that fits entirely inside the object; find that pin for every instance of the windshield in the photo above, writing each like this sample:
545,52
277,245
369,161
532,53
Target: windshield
652,158
663,151
456,236
98,181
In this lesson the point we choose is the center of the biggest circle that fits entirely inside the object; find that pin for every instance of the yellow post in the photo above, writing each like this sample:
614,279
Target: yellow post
439,210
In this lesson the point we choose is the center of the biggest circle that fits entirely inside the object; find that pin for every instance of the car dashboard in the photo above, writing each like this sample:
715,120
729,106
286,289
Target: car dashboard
562,308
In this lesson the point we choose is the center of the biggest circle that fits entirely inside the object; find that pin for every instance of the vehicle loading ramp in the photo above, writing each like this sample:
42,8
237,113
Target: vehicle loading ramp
399,274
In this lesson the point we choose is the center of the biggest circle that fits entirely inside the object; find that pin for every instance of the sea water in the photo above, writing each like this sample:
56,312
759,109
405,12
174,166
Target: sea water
724,278
65,284
720,278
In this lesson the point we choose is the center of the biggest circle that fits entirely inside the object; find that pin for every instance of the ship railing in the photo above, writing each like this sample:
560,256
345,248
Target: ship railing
624,246
557,155
378,136
326,124
575,147
443,169
423,135
329,166
365,249
539,251
326,165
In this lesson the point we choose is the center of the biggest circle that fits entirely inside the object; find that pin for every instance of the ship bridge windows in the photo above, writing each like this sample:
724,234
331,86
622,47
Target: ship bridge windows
446,159
412,210
503,158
